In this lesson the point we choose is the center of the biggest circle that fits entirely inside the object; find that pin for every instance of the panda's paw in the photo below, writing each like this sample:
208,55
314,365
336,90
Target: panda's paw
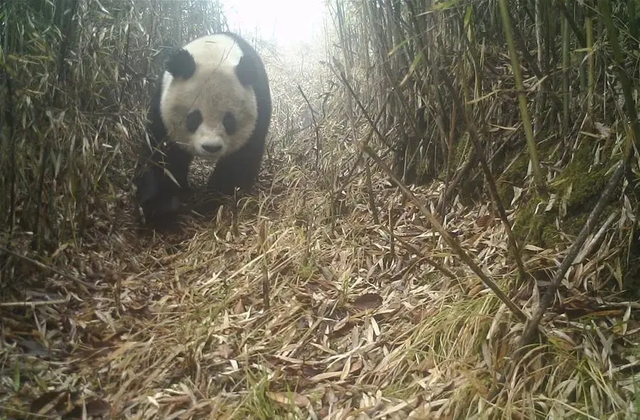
160,207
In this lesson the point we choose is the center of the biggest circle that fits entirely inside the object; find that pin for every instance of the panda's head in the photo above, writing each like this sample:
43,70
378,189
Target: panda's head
208,103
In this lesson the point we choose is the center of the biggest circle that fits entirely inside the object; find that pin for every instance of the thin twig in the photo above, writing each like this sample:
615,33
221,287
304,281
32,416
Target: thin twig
491,183
373,125
315,126
34,303
630,106
372,202
444,270
10,122
447,171
453,243
547,298
265,265
55,270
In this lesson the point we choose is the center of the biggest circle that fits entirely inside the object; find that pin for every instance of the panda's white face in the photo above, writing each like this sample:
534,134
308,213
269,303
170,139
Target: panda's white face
208,109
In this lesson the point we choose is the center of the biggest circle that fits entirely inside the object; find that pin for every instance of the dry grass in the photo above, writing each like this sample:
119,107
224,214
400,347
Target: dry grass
357,325
299,305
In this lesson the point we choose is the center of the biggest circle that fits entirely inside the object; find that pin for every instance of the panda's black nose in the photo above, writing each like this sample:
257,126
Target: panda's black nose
212,148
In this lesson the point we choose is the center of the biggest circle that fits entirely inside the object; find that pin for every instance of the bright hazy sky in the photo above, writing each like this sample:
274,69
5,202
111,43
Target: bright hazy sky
286,22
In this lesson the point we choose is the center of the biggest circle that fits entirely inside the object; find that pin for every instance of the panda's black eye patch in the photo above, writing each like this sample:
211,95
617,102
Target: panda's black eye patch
230,123
194,119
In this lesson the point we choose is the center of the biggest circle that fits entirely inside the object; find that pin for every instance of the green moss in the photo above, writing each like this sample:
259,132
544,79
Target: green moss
587,184
306,271
422,169
461,151
513,176
530,226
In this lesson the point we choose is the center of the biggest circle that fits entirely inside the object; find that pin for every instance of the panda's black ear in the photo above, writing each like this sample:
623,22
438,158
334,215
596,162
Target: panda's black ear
246,71
181,64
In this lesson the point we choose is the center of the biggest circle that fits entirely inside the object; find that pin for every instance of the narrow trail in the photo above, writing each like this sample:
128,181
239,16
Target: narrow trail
318,297
182,329
357,318
358,324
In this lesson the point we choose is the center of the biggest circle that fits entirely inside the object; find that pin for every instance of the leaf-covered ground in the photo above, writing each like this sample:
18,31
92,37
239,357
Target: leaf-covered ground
359,323
300,305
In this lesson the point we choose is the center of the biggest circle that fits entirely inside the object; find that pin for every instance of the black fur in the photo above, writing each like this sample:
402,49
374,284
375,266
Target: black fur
157,193
181,64
247,71
241,168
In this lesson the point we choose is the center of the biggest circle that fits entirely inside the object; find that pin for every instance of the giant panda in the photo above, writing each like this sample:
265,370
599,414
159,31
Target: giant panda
214,102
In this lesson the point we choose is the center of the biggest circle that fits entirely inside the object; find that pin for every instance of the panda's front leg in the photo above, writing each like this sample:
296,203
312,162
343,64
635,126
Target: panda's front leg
177,163
240,169
158,194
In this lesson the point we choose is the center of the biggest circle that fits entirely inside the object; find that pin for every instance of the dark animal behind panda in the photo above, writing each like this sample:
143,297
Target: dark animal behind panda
213,101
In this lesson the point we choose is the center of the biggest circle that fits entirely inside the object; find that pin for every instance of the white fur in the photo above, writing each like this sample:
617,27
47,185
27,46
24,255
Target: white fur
214,89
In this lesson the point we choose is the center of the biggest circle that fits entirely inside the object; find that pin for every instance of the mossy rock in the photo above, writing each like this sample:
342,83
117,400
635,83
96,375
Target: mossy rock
587,183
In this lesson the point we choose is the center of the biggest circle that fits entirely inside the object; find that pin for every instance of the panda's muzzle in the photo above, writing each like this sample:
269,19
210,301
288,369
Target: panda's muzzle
212,148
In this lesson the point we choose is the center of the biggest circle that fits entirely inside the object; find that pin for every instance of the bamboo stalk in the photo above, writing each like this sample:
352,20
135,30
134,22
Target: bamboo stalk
491,183
614,181
522,99
588,23
566,63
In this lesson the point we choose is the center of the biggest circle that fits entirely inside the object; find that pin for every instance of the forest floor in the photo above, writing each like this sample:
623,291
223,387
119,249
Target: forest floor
177,326
358,324
305,303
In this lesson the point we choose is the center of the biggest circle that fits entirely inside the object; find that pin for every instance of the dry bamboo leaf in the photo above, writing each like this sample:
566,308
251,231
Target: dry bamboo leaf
184,342
326,375
476,290
239,309
530,247
517,193
49,402
289,397
484,221
346,369
341,324
374,326
94,408
153,401
367,301
356,366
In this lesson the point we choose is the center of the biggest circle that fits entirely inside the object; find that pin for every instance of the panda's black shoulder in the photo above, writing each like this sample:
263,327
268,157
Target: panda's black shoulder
246,48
